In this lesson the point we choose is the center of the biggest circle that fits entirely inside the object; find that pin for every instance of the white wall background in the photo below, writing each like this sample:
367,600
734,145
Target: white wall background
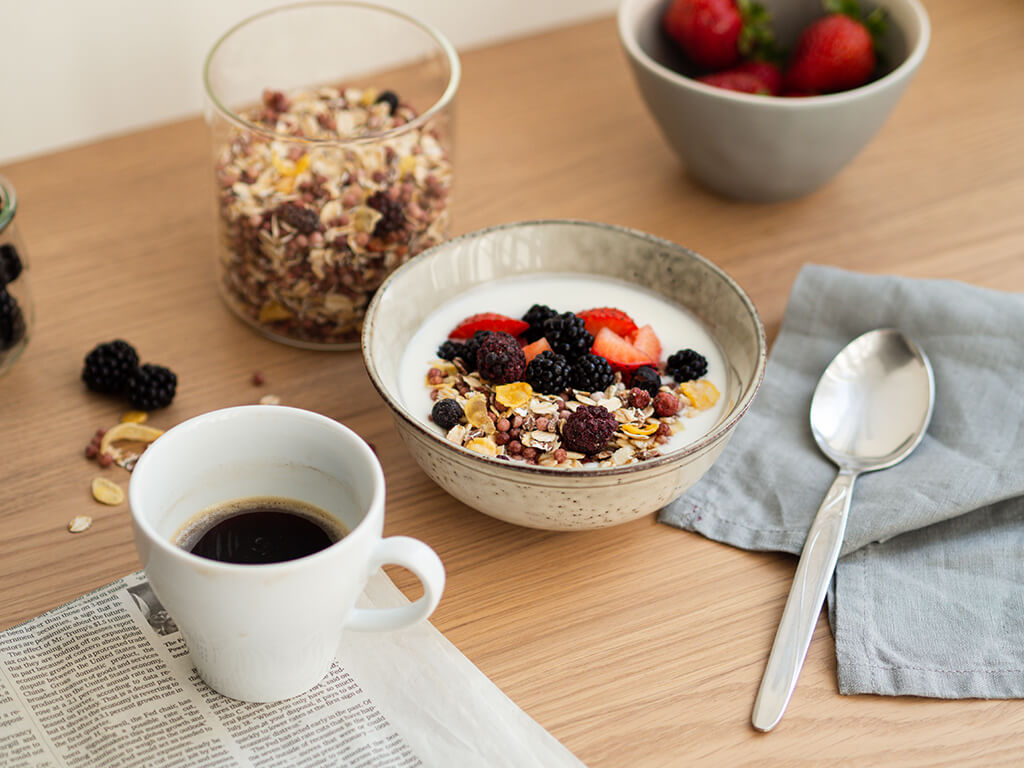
72,71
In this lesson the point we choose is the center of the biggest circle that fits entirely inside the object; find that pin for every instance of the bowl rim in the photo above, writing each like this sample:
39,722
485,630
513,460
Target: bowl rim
626,29
232,116
720,431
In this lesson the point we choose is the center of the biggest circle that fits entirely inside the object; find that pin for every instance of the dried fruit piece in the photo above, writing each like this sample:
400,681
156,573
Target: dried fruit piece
483,445
127,431
107,491
79,523
513,395
273,311
476,411
702,393
646,429
134,417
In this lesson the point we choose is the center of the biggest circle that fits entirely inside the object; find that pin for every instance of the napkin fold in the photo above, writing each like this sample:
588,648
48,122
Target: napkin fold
928,595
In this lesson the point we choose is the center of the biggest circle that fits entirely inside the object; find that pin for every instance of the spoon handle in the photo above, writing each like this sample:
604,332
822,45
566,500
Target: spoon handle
799,617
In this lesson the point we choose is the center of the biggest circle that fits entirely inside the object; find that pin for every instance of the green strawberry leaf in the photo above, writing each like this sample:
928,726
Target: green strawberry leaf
757,38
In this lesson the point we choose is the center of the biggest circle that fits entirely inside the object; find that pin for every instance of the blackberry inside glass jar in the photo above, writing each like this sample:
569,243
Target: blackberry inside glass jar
17,312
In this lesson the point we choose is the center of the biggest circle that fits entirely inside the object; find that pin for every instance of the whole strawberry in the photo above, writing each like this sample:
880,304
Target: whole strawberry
837,52
761,77
715,34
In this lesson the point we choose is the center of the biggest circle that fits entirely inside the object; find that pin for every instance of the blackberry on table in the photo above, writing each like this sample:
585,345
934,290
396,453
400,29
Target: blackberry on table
591,373
548,373
500,359
10,264
567,335
469,349
12,321
588,429
647,379
446,413
686,365
449,350
151,387
392,214
110,366
535,316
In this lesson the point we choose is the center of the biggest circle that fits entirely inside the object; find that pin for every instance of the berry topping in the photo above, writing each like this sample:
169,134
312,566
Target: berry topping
110,366
392,214
449,350
535,316
548,373
12,322
639,398
534,349
567,334
446,413
488,321
646,340
622,355
647,379
151,387
390,97
470,348
591,373
10,264
500,359
607,317
588,429
665,404
686,365
304,220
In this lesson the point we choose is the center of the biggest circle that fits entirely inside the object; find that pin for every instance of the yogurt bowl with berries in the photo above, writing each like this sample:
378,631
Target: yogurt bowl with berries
564,375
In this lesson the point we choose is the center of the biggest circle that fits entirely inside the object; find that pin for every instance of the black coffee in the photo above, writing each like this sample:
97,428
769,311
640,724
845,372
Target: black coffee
261,530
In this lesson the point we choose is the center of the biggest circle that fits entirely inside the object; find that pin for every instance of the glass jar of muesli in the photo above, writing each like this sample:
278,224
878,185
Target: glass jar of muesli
332,133
17,310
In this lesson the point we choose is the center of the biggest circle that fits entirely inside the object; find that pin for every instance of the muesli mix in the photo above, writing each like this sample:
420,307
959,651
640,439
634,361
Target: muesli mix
320,208
564,389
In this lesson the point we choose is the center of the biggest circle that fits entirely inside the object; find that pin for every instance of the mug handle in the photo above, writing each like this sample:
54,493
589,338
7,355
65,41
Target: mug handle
425,564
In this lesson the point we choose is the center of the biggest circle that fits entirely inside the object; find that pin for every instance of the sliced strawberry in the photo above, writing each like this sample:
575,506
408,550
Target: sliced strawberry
620,354
607,317
488,321
646,340
534,349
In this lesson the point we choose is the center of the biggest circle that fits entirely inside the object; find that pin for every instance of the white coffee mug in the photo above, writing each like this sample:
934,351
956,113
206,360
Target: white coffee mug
269,632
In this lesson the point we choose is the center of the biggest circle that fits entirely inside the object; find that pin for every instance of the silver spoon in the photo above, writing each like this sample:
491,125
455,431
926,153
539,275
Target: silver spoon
870,409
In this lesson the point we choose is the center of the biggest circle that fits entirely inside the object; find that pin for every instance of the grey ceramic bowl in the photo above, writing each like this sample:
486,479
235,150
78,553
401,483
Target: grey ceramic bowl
766,148
549,497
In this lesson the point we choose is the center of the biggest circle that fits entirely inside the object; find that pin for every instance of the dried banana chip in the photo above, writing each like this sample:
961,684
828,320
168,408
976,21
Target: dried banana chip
134,417
513,395
483,445
127,430
476,411
702,393
646,429
79,523
107,491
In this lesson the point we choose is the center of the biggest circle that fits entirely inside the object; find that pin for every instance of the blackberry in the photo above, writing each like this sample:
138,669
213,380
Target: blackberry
390,97
588,429
591,373
647,379
392,214
469,349
10,264
110,366
567,335
305,220
686,365
535,316
548,373
151,387
12,321
446,413
449,350
500,359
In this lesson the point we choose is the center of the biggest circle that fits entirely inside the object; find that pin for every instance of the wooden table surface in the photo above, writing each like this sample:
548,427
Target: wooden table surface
639,645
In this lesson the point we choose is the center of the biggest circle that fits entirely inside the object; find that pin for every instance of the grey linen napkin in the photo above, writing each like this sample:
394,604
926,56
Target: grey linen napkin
928,596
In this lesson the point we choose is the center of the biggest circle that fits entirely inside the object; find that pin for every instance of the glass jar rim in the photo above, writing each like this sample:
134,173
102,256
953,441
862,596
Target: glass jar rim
8,203
454,75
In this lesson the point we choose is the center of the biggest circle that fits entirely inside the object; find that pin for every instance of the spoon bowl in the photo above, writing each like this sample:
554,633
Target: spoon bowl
870,409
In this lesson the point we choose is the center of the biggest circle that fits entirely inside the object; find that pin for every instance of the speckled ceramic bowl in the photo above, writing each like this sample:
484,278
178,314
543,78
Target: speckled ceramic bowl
550,497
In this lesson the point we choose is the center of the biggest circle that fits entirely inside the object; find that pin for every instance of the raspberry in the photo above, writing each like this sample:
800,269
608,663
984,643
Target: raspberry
665,404
686,365
449,350
588,429
646,378
548,373
446,413
151,387
535,316
392,214
500,359
567,335
591,373
303,219
110,366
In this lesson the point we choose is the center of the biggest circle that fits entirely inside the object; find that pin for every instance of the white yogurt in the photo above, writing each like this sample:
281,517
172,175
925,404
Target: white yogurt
675,327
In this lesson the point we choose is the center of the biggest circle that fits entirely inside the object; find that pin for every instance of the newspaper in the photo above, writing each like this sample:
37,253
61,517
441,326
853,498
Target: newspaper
106,680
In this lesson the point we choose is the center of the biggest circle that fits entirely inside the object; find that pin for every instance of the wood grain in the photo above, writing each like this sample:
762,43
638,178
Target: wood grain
639,645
